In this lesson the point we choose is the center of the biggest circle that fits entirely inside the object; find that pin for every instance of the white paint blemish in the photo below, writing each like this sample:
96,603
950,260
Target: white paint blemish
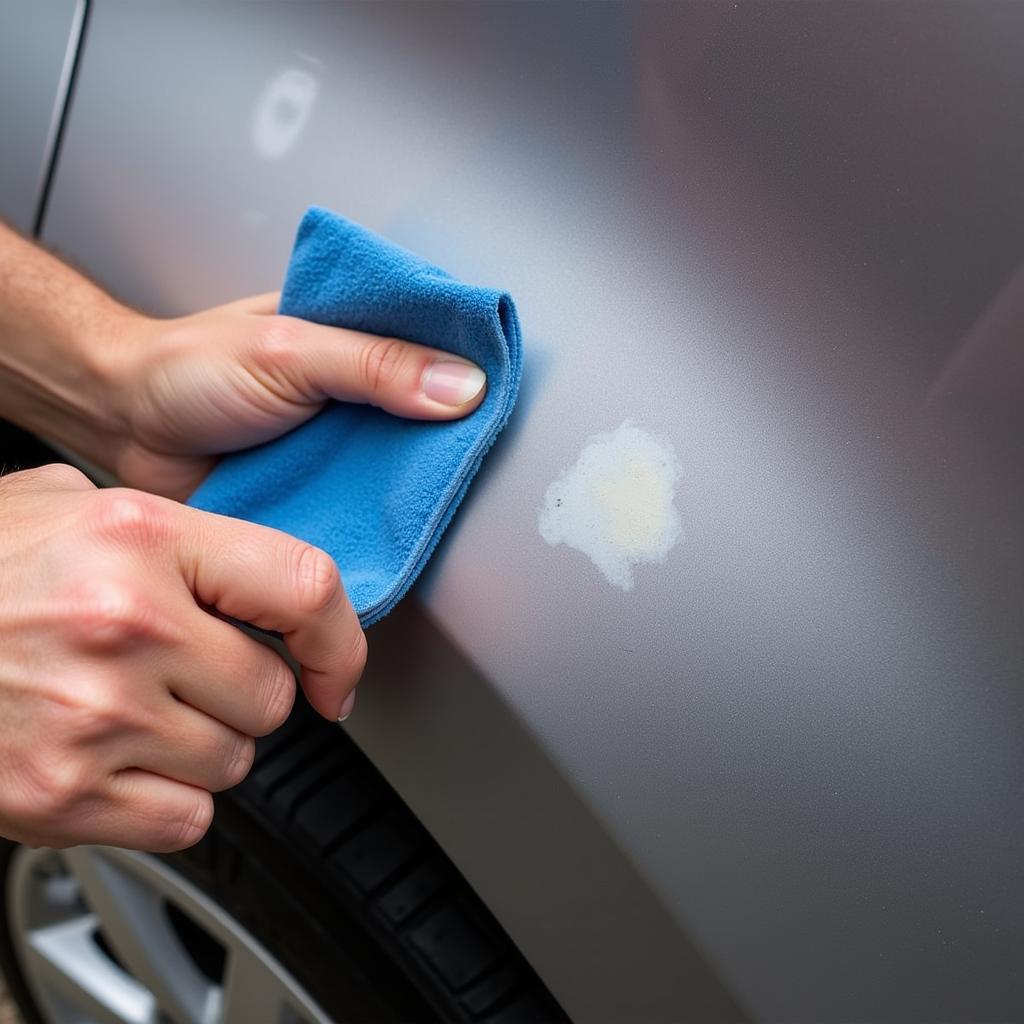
615,503
282,111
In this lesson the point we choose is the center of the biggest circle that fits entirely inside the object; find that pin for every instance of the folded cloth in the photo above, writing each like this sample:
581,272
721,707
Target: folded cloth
373,490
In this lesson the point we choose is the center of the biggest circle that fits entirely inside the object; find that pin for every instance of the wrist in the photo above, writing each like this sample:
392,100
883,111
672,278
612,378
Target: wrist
106,358
109,358
64,352
67,380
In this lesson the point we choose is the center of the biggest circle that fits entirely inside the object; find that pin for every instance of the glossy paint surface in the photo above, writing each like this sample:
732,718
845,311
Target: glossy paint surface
781,775
37,43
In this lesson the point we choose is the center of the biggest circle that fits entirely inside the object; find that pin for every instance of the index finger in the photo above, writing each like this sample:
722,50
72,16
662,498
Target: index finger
274,581
263,304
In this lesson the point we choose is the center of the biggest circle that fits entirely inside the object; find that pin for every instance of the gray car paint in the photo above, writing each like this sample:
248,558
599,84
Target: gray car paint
784,772
38,42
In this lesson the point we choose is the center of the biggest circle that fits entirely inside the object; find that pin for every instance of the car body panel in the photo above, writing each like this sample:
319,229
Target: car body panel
781,776
38,42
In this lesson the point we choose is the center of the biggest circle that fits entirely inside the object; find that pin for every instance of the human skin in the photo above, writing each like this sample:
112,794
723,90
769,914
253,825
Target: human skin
125,699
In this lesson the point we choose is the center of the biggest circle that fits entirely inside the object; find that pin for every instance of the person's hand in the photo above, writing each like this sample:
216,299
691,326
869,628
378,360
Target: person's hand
189,389
124,700
156,401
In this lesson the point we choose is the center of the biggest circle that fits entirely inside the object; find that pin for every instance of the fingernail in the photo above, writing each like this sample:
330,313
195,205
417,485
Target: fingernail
452,383
346,708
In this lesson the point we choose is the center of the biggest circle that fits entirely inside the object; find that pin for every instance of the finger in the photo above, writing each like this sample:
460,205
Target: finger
400,377
144,811
191,748
58,476
233,678
277,582
263,305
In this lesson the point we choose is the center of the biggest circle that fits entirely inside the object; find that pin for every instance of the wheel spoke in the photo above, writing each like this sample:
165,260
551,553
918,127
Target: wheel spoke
251,990
97,944
74,970
136,926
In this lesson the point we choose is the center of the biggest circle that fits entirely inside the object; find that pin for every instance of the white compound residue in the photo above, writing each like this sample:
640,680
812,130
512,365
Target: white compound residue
615,503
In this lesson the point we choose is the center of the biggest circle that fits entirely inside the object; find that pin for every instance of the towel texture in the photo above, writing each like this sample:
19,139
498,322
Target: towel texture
373,490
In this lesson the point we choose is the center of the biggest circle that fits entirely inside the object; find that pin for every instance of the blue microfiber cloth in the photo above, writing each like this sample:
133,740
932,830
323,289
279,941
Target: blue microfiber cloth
374,490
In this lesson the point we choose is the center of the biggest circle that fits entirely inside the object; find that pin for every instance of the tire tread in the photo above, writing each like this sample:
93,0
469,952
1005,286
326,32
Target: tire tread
311,775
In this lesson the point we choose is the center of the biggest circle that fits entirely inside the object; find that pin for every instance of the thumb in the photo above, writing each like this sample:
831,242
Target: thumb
400,377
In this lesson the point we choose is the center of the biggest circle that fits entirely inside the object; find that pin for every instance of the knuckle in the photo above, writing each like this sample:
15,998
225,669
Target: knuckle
190,829
380,363
109,614
278,697
357,655
58,789
317,580
98,714
278,338
239,761
83,707
128,517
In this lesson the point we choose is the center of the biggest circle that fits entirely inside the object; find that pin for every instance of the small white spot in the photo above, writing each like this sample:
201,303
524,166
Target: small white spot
615,504
281,112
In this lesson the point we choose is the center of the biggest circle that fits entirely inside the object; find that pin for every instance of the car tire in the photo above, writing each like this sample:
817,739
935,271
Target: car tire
320,862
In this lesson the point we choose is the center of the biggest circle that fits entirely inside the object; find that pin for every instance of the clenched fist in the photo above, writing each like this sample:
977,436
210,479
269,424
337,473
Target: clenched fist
124,700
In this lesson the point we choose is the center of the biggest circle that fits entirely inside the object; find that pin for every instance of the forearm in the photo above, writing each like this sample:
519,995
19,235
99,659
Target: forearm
57,330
